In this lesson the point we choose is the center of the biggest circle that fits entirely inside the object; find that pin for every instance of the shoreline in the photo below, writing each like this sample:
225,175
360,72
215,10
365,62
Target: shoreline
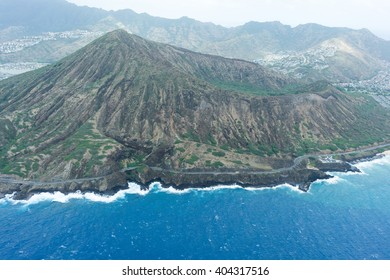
298,175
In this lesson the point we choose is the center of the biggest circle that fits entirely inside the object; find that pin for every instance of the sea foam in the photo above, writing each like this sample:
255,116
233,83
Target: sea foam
276,188
216,188
133,189
334,180
366,165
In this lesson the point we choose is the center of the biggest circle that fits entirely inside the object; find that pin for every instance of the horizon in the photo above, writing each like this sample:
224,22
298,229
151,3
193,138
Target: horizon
361,14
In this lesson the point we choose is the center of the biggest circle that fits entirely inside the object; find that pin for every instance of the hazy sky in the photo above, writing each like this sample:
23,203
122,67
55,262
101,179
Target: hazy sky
371,14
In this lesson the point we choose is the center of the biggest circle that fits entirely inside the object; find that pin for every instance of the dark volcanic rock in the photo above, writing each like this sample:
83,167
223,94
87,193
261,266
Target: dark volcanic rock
299,177
336,167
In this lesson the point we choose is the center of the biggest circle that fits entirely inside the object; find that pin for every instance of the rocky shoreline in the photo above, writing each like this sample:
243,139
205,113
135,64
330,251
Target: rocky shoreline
300,176
24,189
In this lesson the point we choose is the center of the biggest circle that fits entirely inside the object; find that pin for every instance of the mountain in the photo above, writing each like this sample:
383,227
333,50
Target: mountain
126,103
35,16
308,51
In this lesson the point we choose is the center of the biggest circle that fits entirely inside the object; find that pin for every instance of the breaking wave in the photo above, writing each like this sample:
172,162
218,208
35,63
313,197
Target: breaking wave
133,189
334,180
367,165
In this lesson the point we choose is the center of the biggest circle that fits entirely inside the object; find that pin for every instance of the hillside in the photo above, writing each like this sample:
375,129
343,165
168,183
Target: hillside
123,102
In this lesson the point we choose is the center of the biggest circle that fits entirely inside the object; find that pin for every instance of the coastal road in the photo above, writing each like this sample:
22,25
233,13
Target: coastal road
7,179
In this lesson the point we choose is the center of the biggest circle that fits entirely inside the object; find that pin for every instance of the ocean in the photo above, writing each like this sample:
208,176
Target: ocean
343,218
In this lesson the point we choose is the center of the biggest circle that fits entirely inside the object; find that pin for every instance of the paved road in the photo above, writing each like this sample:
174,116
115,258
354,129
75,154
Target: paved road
8,179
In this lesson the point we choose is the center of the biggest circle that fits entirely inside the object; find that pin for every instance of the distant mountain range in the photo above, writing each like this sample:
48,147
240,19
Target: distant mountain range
308,51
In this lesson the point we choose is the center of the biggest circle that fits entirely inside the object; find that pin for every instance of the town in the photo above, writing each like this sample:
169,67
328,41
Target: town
8,69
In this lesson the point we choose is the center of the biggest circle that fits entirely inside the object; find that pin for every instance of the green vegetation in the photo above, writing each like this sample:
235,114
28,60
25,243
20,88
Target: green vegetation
192,159
192,136
108,147
216,164
252,89
134,161
218,154
330,147
84,143
211,140
85,140
225,147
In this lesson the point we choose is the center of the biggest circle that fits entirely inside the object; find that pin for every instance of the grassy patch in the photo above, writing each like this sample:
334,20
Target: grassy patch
191,135
225,147
217,164
218,154
211,140
108,147
192,159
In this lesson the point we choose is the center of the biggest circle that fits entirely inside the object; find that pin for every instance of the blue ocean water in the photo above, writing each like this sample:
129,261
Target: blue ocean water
347,217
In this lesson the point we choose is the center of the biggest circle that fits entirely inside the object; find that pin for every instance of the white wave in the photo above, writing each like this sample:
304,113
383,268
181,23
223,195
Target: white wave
332,181
275,188
349,173
104,198
385,160
219,187
7,198
290,187
253,189
45,196
65,198
134,188
172,190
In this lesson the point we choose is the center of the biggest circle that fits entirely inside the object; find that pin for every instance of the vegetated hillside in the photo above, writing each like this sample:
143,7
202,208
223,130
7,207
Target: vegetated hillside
309,51
123,101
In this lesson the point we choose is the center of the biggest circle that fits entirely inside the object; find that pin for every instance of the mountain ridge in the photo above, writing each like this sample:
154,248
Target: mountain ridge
251,41
126,103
